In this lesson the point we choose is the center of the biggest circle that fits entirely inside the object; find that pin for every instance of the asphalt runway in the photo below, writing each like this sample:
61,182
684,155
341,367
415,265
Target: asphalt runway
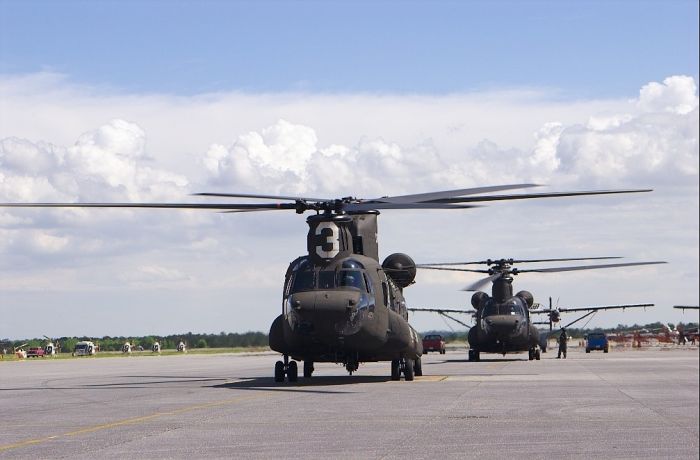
631,404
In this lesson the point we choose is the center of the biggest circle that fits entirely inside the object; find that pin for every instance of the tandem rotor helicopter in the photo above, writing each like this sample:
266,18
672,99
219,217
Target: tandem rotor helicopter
339,303
503,321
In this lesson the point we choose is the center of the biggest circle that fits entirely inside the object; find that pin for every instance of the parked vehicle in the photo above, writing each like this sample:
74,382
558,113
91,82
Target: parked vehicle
597,341
434,342
84,348
36,352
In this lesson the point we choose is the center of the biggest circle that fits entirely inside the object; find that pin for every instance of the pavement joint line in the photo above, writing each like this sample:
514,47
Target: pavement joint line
132,421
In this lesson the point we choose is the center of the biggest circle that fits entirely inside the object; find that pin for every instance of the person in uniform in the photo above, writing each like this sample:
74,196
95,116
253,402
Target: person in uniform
562,343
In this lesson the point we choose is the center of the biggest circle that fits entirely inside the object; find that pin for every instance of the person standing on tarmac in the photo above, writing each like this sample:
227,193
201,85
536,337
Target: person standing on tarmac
562,343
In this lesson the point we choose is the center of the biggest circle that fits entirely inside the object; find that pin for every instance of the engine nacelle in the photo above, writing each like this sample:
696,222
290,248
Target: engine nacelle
478,299
527,298
400,268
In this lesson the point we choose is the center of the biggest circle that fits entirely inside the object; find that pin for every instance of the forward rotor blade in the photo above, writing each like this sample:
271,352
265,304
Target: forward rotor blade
431,196
586,267
482,282
537,195
265,197
443,310
518,261
452,269
213,206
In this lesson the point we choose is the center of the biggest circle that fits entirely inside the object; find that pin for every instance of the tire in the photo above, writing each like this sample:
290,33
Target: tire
408,369
308,369
442,352
418,368
395,370
530,354
292,371
279,371
588,350
605,350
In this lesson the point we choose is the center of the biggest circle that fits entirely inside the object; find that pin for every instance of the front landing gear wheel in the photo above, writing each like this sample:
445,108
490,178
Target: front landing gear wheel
418,368
395,369
537,354
408,369
474,355
292,371
279,371
308,369
531,354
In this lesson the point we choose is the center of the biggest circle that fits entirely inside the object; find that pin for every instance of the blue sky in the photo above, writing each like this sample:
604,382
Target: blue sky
152,101
582,49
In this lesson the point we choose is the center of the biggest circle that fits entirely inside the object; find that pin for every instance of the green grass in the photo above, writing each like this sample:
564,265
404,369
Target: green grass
140,354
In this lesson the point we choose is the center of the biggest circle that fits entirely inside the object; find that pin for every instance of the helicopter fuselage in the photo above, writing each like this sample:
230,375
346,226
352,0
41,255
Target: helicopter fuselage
341,306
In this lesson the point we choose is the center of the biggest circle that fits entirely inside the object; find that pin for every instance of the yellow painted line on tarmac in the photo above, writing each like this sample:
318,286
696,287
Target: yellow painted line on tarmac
431,378
133,421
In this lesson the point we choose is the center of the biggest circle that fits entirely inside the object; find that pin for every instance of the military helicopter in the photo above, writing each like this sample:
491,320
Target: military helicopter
339,304
503,323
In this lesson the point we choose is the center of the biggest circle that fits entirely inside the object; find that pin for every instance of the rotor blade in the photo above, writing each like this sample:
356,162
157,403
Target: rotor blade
607,307
482,282
443,310
423,197
586,267
687,307
452,269
537,195
266,197
358,207
220,206
518,261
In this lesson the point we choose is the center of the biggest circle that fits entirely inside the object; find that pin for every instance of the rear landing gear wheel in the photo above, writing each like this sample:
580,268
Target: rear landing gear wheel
418,368
474,356
537,354
531,354
308,369
395,370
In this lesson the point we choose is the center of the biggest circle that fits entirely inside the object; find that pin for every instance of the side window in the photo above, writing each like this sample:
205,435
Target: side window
368,283
303,281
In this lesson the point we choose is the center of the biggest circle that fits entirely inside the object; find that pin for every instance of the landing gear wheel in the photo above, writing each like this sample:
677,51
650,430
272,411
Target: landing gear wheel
537,355
308,369
530,354
408,369
474,355
292,371
395,370
279,371
418,368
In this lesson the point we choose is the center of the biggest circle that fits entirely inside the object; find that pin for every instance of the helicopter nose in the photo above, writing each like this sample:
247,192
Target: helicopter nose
502,324
325,302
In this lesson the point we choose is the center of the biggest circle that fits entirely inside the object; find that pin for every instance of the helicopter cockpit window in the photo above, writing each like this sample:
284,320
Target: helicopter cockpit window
326,279
514,308
351,278
352,263
303,281
491,308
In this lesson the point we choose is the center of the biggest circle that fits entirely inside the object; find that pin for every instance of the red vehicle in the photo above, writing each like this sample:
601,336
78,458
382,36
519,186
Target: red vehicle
35,352
434,342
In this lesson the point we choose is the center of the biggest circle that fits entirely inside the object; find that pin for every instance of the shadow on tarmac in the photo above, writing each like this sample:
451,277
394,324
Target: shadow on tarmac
269,384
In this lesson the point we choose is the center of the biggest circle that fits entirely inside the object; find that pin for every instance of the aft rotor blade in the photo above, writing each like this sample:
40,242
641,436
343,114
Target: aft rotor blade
607,307
586,267
526,196
452,269
516,261
431,196
213,206
687,307
265,197
482,282
358,207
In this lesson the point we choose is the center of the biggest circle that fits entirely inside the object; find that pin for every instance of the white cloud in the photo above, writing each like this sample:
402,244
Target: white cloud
337,145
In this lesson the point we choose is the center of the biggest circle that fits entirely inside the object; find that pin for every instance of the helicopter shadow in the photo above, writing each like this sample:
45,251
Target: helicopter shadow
482,360
304,385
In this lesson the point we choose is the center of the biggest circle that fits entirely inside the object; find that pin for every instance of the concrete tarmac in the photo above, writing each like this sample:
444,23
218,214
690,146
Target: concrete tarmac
625,404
